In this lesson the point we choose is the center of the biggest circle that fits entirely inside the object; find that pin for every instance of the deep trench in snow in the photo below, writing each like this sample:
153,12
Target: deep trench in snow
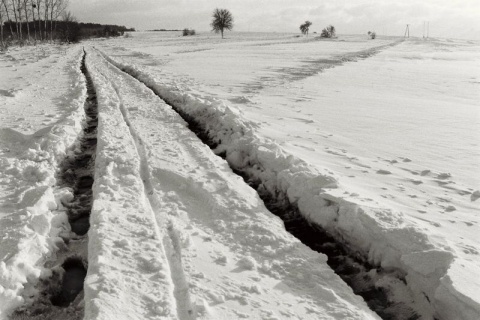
351,266
61,294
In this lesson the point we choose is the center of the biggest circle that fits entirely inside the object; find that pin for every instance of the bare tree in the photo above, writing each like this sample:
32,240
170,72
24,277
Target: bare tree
46,6
34,6
4,2
69,30
305,27
17,20
25,8
2,18
57,9
38,4
222,19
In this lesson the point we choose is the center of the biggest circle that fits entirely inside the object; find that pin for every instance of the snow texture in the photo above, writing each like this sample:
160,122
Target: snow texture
32,216
376,141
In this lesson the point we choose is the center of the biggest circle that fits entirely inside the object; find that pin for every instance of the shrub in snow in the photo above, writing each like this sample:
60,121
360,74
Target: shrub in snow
188,32
328,32
372,34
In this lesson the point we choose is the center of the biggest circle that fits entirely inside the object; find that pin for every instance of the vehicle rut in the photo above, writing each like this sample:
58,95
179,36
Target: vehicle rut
61,294
311,67
185,310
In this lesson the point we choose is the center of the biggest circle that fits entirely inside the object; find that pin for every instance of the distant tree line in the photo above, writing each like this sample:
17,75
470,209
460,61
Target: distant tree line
92,30
165,30
27,21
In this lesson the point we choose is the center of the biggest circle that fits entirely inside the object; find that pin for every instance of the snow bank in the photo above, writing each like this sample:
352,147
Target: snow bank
32,225
384,237
128,274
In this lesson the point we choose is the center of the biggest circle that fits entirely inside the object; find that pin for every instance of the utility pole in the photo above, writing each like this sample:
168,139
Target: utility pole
424,29
428,28
407,32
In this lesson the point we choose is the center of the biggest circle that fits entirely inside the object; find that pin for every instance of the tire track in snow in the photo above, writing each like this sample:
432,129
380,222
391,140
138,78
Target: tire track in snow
62,293
170,240
351,266
313,67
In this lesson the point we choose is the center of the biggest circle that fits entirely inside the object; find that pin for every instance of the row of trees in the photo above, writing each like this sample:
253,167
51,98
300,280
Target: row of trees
25,20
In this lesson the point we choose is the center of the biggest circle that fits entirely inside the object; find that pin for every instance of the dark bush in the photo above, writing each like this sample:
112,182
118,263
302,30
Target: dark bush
188,32
68,31
328,32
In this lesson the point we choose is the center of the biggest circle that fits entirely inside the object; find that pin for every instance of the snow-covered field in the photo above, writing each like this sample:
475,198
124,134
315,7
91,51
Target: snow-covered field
377,141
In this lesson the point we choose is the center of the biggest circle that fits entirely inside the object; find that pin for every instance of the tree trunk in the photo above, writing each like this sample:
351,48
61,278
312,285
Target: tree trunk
14,9
34,25
26,18
39,2
20,27
1,29
52,10
8,16
46,19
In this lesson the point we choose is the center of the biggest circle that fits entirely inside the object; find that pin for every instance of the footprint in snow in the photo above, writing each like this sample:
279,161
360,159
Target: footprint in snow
416,182
475,195
7,93
381,171
443,176
450,209
424,172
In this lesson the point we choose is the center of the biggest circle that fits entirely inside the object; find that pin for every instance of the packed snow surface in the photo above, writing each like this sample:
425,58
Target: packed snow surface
375,140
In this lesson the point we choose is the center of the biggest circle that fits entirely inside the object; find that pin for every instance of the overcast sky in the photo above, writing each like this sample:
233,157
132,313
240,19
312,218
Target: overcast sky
448,18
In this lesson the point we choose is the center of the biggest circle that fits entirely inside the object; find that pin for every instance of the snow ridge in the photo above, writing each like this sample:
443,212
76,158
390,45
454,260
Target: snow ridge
128,274
30,162
170,239
388,242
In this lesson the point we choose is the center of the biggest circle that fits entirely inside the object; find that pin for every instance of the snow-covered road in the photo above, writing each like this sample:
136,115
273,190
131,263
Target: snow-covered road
174,232
225,252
